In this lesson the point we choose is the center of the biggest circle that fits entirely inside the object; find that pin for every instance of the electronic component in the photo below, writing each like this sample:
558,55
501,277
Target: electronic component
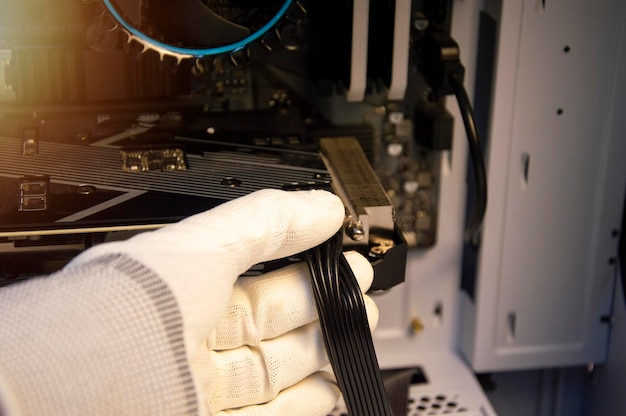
408,173
273,103
30,145
34,193
165,160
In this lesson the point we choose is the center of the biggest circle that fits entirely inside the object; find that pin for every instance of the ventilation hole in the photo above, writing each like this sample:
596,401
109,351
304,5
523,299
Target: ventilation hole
423,405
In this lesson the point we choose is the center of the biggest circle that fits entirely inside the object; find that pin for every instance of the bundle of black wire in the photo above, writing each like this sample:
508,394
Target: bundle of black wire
346,332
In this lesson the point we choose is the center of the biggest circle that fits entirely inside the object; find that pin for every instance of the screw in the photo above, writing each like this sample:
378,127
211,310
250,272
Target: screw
85,189
420,21
84,137
231,182
290,36
355,231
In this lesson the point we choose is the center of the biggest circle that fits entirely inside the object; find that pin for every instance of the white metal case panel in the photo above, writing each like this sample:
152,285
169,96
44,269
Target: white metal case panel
556,172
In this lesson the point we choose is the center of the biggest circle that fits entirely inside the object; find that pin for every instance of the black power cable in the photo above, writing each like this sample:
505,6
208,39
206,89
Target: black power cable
346,331
474,227
444,74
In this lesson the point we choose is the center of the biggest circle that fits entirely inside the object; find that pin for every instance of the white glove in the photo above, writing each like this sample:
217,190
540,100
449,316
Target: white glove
270,340
263,353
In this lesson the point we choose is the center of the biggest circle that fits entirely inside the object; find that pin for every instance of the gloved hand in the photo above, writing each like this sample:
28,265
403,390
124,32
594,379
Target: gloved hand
254,343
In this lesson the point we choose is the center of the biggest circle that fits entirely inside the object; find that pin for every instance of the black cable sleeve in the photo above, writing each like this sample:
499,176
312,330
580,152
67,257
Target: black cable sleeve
345,329
474,225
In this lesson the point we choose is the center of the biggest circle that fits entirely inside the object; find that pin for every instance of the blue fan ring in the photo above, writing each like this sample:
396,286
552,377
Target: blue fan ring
200,52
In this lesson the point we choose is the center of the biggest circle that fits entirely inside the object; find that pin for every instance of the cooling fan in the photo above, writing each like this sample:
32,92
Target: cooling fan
201,28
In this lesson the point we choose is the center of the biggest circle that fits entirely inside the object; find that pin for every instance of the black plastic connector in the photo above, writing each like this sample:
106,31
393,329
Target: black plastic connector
390,269
441,58
434,127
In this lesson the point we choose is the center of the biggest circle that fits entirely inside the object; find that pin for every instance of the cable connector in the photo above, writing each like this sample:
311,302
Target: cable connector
441,60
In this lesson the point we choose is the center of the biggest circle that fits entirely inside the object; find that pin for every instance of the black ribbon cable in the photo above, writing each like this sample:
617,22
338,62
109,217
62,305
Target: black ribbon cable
346,332
397,384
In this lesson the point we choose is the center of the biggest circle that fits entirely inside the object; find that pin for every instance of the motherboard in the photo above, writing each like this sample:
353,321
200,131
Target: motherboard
120,115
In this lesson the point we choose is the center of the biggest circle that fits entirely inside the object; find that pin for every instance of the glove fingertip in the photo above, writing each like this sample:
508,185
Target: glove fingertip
325,212
372,312
362,269
298,221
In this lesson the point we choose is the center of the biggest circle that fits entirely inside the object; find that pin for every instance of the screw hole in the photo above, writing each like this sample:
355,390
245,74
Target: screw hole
559,111
612,261
567,49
